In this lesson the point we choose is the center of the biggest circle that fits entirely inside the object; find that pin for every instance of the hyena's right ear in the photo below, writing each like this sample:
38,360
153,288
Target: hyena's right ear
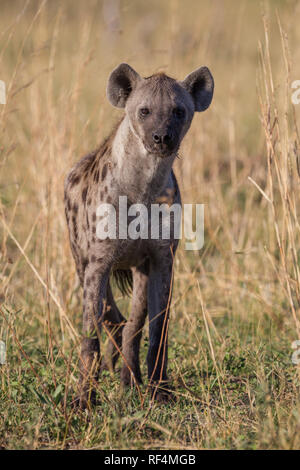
121,82
200,84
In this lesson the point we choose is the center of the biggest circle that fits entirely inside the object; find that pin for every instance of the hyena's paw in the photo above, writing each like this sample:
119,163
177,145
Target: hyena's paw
162,392
85,400
130,378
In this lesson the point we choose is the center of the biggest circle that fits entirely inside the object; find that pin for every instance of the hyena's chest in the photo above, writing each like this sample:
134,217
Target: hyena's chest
130,230
105,220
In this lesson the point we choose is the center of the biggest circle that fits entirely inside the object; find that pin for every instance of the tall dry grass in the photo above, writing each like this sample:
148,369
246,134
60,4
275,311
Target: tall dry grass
239,294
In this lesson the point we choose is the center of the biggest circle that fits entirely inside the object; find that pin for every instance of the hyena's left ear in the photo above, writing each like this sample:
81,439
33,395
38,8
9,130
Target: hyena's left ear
121,83
200,84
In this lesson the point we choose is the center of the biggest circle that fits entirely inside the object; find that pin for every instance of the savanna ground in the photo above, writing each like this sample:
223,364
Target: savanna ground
236,303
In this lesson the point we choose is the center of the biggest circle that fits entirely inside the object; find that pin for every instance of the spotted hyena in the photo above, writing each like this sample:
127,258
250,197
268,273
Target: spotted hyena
134,161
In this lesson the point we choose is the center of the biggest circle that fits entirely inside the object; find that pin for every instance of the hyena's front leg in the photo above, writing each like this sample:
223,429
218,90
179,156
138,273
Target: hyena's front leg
132,332
94,298
159,299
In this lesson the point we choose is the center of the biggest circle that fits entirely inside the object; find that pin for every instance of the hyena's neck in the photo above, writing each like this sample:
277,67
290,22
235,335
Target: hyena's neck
141,176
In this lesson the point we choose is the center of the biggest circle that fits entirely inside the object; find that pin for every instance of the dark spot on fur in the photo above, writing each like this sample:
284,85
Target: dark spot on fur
89,201
94,217
96,176
104,172
103,149
93,259
75,208
95,162
84,193
75,230
74,179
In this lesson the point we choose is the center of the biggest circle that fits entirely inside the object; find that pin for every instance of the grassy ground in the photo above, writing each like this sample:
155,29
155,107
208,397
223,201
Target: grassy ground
235,310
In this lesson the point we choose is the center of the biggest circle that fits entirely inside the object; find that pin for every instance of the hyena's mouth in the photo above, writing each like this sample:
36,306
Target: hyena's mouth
162,150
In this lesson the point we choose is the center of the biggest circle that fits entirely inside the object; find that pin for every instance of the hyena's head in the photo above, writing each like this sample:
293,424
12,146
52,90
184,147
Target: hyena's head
160,109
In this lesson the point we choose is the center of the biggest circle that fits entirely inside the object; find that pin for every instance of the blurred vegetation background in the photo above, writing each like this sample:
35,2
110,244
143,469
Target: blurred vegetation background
236,303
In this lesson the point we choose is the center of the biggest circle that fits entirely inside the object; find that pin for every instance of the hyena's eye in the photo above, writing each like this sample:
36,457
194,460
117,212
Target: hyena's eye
144,112
179,112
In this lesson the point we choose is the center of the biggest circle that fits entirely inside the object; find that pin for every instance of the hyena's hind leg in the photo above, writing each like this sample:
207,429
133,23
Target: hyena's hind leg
132,332
114,323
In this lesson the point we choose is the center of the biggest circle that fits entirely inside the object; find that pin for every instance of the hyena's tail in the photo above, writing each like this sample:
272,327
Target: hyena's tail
123,278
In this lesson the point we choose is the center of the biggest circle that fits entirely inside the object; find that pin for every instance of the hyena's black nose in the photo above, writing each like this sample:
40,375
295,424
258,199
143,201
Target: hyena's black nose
162,137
